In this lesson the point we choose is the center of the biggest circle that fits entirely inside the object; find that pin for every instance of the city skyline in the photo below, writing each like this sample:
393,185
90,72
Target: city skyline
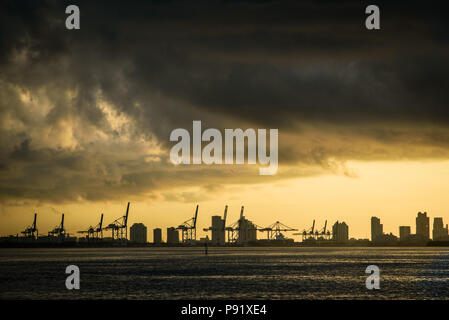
425,227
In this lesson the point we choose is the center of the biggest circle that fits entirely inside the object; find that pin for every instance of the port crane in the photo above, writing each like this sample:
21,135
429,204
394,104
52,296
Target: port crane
323,233
188,228
119,227
307,233
234,228
224,218
224,223
31,231
94,233
58,231
274,231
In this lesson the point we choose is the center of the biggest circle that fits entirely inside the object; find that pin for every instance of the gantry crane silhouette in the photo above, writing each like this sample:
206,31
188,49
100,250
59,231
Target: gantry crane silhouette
31,231
274,231
188,228
119,227
58,231
94,233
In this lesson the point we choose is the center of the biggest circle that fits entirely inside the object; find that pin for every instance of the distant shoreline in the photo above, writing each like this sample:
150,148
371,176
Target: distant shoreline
150,245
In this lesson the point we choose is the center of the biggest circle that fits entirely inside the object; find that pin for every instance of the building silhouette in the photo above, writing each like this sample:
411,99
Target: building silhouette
376,228
138,233
172,236
340,232
386,238
439,232
404,233
218,230
157,236
247,231
422,225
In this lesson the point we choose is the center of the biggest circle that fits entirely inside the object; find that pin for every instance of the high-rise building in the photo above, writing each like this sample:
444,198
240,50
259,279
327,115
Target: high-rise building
247,231
404,233
157,236
172,236
376,228
439,232
422,225
218,230
340,232
138,233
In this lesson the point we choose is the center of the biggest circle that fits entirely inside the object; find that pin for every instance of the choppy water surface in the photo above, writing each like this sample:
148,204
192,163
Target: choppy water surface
226,273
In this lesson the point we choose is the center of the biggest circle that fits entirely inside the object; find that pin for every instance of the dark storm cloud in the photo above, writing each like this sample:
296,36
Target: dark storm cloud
310,61
303,67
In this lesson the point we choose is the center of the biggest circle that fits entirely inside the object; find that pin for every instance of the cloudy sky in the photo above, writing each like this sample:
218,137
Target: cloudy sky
86,115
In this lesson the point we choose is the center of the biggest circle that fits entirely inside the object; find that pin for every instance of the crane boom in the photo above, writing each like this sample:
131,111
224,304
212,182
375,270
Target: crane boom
101,222
196,216
126,216
224,216
34,222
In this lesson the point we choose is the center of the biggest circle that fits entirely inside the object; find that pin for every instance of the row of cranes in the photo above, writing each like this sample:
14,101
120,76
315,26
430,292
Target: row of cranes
32,232
234,231
118,227
312,233
274,231
188,228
